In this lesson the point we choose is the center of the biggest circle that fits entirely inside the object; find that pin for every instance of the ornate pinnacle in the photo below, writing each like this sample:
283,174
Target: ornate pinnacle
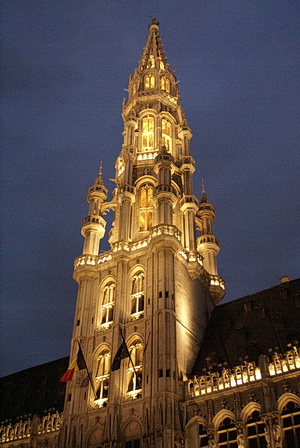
99,180
203,197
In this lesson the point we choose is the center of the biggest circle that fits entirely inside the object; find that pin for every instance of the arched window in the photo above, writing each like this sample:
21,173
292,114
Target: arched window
137,294
135,369
149,82
102,376
146,207
227,434
255,431
165,84
166,131
108,301
148,133
290,425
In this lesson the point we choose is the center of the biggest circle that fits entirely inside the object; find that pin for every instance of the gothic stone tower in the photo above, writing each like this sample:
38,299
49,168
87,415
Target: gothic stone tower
157,285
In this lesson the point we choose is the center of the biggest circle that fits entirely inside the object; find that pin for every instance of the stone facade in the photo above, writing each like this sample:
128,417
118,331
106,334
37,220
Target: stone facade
155,291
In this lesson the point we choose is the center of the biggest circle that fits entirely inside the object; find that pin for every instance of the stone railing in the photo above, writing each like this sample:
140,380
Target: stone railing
216,280
225,379
24,429
166,229
149,155
285,363
243,374
91,260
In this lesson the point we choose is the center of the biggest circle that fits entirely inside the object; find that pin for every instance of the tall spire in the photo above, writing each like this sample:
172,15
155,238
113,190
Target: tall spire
153,54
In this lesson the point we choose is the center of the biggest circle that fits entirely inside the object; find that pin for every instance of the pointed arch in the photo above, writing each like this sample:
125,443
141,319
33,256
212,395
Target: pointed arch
137,294
289,430
101,374
196,431
131,431
165,84
107,299
226,431
135,366
148,127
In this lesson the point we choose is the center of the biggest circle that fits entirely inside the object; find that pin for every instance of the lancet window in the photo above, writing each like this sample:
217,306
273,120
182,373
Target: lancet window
148,133
137,294
149,81
227,434
166,130
102,376
146,207
255,431
291,425
165,84
108,301
135,368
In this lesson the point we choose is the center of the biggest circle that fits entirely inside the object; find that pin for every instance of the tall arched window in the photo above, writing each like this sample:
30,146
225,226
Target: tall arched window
227,434
137,294
291,425
108,302
165,84
149,82
255,431
135,365
102,376
148,133
146,207
166,134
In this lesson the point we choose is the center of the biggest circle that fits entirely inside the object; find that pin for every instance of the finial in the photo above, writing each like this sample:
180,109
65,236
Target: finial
99,180
153,21
203,197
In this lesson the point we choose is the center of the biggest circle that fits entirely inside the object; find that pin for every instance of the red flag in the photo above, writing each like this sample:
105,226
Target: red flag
78,363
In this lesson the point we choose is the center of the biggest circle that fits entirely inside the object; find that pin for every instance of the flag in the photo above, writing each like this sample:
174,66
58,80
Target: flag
121,354
78,363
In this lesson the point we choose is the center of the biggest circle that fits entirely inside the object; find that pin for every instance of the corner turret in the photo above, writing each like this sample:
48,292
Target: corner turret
93,226
208,246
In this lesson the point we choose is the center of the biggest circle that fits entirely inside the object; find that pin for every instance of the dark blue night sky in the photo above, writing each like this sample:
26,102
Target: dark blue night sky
64,66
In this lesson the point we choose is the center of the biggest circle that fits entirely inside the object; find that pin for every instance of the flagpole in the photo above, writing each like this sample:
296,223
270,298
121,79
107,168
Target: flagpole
133,367
89,375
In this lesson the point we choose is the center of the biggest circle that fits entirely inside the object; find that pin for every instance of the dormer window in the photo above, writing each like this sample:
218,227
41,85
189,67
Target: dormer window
165,84
149,82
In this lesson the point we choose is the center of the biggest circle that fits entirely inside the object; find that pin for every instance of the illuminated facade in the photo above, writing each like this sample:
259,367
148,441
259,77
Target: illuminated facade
157,289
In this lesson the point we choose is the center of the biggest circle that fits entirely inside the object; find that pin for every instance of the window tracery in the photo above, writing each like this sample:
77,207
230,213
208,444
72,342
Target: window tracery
227,433
135,369
291,425
137,295
255,431
165,84
146,208
102,376
166,130
108,302
148,133
149,81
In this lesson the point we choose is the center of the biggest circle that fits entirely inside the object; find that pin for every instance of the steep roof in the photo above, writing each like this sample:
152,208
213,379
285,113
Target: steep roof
250,326
33,391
